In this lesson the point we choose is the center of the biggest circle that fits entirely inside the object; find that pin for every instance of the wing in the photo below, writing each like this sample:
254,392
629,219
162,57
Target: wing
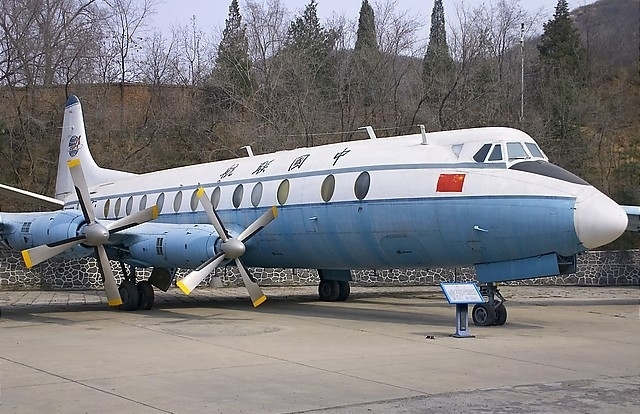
633,213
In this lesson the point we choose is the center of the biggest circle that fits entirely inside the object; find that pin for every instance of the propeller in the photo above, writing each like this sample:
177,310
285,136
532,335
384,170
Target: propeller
92,234
231,249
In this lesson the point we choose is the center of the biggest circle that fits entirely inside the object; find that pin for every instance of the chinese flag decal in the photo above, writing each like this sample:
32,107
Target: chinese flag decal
450,183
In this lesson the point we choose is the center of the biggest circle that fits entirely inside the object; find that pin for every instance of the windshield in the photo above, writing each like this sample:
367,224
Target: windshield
516,151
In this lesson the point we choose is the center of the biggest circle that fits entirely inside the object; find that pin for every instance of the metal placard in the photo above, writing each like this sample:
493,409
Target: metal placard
458,293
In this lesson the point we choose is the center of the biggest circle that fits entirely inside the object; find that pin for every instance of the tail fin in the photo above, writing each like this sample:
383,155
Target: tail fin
73,145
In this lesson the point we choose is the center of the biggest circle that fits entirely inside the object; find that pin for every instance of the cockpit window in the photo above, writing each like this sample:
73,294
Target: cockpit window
516,151
482,153
496,154
534,150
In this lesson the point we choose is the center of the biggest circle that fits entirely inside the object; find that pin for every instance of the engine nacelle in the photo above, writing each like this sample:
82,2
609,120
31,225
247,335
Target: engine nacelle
24,231
173,245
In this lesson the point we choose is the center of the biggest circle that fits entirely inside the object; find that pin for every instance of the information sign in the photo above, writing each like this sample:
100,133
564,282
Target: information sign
459,293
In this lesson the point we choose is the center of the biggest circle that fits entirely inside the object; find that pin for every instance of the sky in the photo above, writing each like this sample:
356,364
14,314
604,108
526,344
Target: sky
211,14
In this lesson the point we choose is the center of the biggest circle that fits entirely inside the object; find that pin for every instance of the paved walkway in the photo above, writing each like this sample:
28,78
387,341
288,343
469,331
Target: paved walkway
33,298
386,350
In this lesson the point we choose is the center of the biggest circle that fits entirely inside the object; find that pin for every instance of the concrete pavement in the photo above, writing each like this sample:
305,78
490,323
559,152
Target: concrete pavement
563,350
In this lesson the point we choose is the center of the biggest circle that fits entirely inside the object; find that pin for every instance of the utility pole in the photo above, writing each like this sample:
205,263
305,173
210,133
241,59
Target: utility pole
521,72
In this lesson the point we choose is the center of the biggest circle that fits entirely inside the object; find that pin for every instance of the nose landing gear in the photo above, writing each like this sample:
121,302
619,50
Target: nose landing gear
492,312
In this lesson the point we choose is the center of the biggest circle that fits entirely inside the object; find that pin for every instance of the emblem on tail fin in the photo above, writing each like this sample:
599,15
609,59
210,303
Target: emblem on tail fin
75,144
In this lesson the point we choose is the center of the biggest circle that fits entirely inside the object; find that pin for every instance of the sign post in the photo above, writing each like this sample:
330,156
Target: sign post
461,295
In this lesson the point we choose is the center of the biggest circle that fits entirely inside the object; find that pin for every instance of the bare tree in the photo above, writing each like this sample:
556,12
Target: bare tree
195,51
267,26
159,61
126,23
46,41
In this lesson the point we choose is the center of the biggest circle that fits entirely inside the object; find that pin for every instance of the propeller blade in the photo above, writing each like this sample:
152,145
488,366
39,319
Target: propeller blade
193,279
39,254
211,213
256,294
134,219
110,285
80,183
257,225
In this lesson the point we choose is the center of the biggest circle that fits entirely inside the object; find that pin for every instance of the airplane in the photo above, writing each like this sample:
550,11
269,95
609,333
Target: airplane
483,197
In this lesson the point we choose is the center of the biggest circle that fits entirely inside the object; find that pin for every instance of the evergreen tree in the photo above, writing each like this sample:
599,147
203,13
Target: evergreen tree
310,67
561,50
311,47
366,35
438,68
308,39
437,62
233,64
362,74
561,77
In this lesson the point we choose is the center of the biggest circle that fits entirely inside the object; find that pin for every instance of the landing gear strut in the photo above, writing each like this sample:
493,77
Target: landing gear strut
493,311
135,295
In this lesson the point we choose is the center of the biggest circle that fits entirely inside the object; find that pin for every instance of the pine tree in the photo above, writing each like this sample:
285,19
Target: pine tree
362,74
438,68
561,76
309,66
561,50
233,64
437,63
312,45
366,35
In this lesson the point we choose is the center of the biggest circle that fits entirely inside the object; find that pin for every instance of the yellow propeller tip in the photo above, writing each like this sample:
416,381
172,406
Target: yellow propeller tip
183,287
27,259
274,211
155,212
259,301
73,162
200,192
115,302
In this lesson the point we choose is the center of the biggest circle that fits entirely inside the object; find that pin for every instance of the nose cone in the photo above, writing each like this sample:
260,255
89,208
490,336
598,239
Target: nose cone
598,219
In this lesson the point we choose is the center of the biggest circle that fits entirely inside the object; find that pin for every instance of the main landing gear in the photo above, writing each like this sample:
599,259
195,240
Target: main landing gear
333,290
493,311
135,295
334,285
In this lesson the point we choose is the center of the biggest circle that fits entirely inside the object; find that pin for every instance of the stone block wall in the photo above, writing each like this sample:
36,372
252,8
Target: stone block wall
602,268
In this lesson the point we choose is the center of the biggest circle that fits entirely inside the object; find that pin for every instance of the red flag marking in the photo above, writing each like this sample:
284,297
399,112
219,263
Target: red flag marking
450,183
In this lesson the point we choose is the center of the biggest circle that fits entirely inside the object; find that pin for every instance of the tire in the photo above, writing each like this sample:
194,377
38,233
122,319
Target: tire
328,290
501,314
343,291
483,314
146,297
129,294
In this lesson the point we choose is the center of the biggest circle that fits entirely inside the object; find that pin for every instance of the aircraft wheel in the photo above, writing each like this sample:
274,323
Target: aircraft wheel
501,314
344,290
483,314
129,295
146,297
328,290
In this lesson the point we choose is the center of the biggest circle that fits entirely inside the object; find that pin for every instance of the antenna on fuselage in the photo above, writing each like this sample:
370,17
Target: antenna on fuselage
249,150
424,135
369,128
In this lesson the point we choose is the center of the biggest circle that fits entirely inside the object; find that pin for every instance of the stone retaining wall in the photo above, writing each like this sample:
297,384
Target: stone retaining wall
605,268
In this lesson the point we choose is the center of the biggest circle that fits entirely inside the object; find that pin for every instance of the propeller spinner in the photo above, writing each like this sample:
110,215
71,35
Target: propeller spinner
93,234
232,249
